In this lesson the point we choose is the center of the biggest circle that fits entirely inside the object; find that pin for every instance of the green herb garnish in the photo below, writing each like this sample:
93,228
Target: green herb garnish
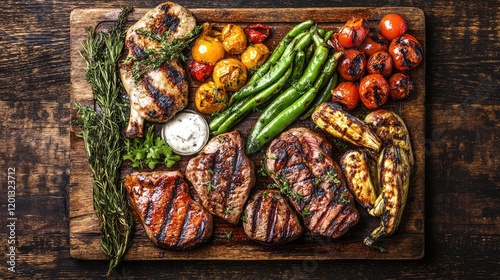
149,150
229,234
209,186
100,130
168,50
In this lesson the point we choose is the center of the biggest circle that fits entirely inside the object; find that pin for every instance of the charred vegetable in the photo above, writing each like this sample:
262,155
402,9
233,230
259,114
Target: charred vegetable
333,119
356,166
394,174
391,129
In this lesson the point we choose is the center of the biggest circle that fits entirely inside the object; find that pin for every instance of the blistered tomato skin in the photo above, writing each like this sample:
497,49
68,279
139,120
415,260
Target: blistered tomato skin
400,86
230,74
207,50
200,71
209,98
353,32
346,94
406,52
234,39
380,63
373,91
352,65
254,56
373,44
392,26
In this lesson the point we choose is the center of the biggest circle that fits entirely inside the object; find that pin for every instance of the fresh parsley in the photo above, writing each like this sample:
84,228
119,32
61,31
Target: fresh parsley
149,150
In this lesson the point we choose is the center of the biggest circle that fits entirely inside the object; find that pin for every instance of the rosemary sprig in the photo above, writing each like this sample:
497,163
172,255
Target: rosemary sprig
168,50
100,129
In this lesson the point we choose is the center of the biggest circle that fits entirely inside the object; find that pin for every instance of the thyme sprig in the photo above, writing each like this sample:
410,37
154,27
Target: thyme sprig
168,50
100,130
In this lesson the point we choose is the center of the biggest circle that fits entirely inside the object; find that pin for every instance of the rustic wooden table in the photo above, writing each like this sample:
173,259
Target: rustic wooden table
461,150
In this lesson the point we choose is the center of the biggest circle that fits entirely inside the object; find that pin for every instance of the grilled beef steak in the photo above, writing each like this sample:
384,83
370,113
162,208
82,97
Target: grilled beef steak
162,92
171,218
222,176
299,161
270,220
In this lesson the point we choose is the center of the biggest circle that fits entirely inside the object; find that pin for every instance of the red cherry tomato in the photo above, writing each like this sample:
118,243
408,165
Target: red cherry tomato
400,86
392,26
406,52
373,91
347,94
353,32
257,33
373,44
200,71
352,65
380,63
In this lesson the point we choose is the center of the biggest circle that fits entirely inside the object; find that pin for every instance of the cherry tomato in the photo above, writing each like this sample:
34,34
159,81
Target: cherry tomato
380,63
234,39
400,86
254,56
200,71
210,98
352,65
207,49
406,52
347,94
373,44
257,33
392,26
373,91
230,74
334,43
353,32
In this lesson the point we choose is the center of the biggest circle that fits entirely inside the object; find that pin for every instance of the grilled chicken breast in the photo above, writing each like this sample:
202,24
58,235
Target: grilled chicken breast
299,161
270,220
171,218
222,176
160,93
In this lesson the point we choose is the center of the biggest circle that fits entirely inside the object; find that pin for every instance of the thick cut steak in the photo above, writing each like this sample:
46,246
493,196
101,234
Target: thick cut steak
222,176
270,220
300,162
171,218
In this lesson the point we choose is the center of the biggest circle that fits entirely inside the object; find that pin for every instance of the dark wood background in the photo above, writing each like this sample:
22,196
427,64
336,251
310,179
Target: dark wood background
462,148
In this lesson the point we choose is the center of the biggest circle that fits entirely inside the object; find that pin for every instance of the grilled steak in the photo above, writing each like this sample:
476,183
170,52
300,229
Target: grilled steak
222,176
270,220
299,161
160,93
171,218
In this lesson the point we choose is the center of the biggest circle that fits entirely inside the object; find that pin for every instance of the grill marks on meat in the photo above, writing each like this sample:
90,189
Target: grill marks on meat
171,218
162,92
301,160
222,176
270,220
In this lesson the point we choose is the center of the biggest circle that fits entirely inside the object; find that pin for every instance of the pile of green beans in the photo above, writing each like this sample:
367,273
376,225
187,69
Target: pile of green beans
298,75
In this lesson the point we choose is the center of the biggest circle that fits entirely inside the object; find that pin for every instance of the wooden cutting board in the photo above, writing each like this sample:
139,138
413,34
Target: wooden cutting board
408,243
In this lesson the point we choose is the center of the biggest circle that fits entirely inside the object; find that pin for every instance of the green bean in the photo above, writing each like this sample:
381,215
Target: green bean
292,112
327,88
298,68
287,97
323,96
280,48
218,120
270,77
327,36
253,102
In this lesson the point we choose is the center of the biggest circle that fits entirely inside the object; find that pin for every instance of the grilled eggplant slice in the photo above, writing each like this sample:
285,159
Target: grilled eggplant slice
394,171
356,166
391,129
336,121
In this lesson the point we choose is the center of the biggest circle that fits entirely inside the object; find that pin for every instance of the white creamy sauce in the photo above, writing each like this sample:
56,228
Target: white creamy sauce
186,133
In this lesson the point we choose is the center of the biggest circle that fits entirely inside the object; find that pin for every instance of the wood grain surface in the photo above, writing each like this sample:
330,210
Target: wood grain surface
461,149
407,244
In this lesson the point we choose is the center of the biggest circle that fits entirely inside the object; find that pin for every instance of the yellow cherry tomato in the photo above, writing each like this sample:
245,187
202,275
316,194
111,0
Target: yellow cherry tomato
230,74
210,98
207,49
234,39
254,56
